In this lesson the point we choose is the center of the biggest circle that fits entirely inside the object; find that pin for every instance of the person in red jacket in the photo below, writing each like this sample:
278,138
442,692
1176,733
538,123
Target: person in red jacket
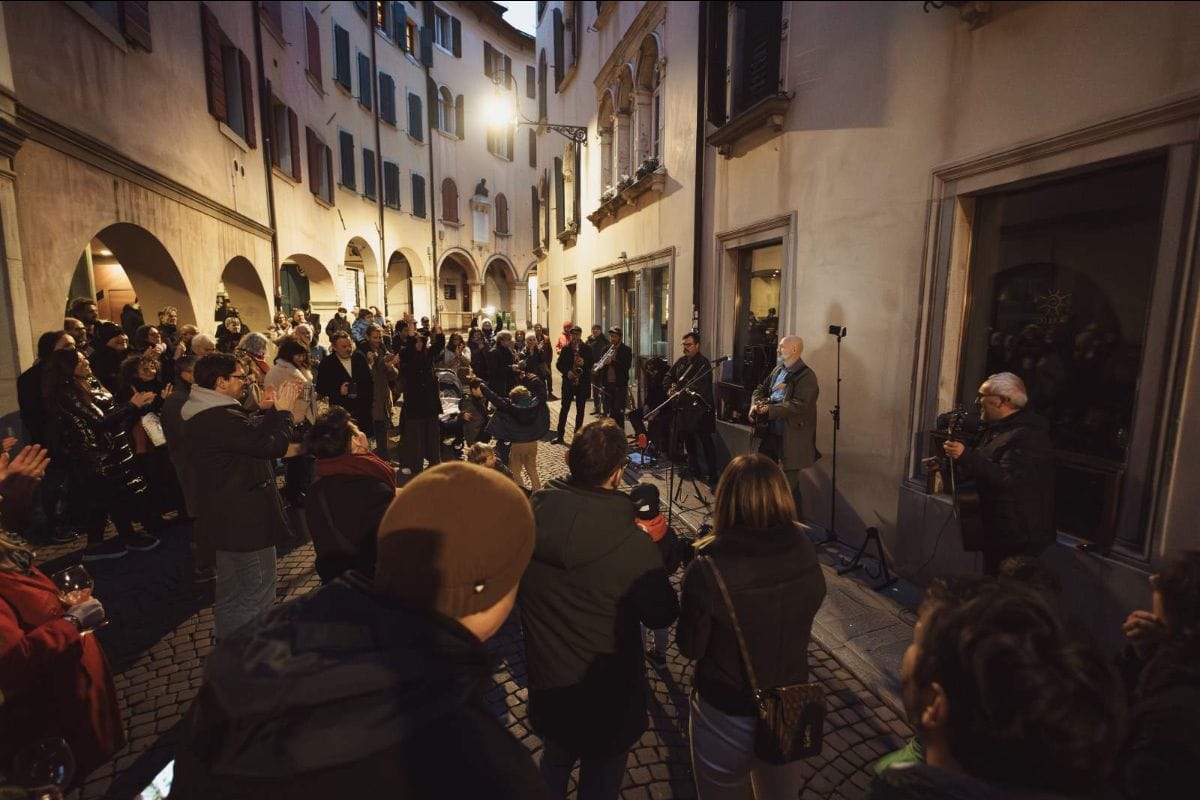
54,680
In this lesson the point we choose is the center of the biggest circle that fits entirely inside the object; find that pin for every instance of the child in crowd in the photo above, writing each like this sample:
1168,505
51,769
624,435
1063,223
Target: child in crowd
649,517
485,456
472,411
521,419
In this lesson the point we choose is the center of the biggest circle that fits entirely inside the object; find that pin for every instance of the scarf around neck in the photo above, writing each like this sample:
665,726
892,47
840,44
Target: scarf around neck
367,465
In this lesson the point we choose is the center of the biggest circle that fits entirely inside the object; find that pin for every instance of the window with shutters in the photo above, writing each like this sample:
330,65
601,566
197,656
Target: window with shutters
560,197
445,111
535,212
648,102
312,37
130,19
531,81
320,166
411,38
460,113
501,215
560,55
500,142
368,162
416,122
497,66
285,152
272,12
109,11
543,100
571,33
391,184
532,147
449,201
341,57
744,83
447,32
418,195
346,155
605,126
364,81
229,82
387,98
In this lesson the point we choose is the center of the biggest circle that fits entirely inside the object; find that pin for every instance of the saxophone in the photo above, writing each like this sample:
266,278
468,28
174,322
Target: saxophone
577,370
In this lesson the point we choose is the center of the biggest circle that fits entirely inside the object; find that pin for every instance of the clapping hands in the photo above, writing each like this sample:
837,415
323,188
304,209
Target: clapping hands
281,399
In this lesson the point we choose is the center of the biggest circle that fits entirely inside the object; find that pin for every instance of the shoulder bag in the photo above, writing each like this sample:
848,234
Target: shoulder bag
791,719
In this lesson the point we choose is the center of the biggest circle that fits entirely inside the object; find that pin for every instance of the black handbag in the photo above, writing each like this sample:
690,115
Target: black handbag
791,719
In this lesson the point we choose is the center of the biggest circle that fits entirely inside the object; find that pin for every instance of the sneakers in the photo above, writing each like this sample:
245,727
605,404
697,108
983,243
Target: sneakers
557,440
656,658
142,542
113,548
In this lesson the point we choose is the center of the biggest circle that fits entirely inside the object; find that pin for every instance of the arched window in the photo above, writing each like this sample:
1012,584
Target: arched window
604,125
449,201
624,153
446,110
648,98
501,214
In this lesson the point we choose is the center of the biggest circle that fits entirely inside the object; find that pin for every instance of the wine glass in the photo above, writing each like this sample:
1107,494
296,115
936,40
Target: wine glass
45,762
74,584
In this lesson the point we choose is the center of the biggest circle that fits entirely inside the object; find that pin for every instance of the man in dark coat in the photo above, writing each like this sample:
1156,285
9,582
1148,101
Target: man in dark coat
345,378
501,358
598,344
376,688
339,322
594,577
240,510
787,403
1013,467
614,376
575,366
420,438
695,421
180,453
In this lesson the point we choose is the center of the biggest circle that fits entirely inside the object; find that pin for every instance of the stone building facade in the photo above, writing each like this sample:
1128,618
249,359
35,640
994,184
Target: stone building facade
275,153
977,188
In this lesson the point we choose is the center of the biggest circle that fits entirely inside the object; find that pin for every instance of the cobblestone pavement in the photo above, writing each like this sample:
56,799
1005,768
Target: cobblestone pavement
161,632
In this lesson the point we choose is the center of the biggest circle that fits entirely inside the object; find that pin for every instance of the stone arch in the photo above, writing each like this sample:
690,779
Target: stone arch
458,276
500,285
365,289
124,261
399,297
650,54
245,290
305,280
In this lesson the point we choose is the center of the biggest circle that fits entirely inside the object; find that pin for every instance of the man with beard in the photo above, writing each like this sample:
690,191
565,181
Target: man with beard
786,404
695,421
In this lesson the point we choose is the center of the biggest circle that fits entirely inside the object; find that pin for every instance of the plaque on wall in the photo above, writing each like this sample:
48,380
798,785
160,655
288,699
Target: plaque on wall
449,291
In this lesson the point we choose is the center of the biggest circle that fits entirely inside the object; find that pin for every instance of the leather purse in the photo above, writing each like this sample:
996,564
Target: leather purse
791,719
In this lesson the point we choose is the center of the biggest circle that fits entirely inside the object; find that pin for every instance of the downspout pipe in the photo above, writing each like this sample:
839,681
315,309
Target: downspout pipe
698,191
430,206
264,117
382,265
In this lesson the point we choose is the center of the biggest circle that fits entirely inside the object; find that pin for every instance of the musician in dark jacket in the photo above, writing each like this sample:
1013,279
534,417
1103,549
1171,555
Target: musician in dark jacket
771,571
575,365
696,421
614,375
598,344
1013,467
787,403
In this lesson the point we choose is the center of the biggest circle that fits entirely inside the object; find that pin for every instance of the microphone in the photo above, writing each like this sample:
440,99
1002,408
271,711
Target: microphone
722,358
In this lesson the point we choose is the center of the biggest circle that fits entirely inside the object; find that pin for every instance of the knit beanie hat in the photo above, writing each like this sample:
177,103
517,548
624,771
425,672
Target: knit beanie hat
106,331
432,551
645,500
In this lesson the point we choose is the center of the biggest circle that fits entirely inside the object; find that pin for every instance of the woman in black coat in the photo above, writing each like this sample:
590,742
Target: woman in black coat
421,439
88,433
771,570
354,488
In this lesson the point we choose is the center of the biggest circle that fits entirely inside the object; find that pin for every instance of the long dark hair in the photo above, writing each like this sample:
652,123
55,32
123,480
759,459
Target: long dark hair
58,375
752,493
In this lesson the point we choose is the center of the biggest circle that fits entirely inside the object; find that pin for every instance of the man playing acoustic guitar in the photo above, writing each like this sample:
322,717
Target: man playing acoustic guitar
784,412
1013,467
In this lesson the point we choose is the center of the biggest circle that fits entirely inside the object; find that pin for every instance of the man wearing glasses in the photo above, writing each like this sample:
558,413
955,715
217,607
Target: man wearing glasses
1012,463
238,506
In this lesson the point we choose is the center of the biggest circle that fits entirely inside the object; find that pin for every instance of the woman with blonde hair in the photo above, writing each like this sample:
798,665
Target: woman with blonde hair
775,583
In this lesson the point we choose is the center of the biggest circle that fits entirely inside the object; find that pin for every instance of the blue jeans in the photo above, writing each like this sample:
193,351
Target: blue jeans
245,588
600,777
723,760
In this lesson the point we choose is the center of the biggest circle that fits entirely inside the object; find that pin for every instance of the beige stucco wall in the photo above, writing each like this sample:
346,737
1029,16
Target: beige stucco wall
884,96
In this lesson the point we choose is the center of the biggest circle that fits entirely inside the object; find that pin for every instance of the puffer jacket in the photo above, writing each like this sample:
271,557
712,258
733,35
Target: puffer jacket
89,434
513,423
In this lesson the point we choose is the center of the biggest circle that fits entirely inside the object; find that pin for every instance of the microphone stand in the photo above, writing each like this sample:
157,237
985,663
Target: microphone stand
836,412
673,401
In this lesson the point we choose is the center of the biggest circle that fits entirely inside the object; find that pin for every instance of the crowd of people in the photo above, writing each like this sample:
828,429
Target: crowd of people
374,683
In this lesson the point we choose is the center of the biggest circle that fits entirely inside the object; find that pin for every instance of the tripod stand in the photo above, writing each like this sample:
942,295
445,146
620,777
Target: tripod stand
836,412
673,401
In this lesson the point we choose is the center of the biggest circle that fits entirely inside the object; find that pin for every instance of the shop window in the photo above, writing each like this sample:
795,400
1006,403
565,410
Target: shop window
756,331
654,303
1060,285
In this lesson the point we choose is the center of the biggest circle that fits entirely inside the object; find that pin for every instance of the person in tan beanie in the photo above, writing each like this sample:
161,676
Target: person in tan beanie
362,685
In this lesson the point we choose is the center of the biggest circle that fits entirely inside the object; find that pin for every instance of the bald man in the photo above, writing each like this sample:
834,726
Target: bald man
787,403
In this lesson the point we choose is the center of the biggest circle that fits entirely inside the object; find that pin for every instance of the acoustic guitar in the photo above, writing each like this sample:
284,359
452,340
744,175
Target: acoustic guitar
965,495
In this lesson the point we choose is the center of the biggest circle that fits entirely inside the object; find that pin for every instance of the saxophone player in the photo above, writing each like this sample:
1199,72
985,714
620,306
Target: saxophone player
575,364
613,372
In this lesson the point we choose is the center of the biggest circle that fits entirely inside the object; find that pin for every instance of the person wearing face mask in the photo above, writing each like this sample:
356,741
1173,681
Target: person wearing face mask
786,402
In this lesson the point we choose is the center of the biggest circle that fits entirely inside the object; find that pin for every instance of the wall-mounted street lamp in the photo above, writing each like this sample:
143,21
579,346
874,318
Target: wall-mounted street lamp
502,110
